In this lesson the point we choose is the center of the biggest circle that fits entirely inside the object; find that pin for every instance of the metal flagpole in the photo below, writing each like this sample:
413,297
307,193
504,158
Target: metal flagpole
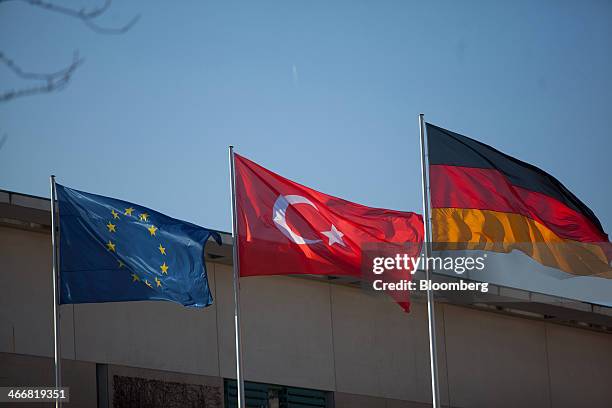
56,315
236,264
431,316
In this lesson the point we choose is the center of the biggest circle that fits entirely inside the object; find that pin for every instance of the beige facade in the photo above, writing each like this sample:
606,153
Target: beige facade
297,332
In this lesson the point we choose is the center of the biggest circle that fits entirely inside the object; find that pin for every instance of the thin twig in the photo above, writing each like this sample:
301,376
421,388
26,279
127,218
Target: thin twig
87,17
52,82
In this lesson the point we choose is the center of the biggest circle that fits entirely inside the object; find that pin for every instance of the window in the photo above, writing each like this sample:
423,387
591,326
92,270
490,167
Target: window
259,395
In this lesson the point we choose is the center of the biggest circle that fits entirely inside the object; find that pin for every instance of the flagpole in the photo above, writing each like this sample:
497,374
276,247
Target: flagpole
431,315
236,267
56,316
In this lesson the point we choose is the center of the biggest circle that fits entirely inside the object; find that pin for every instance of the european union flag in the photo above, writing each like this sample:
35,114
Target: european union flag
115,251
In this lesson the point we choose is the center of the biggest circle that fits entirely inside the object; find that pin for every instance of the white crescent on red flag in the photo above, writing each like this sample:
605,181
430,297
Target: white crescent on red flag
285,228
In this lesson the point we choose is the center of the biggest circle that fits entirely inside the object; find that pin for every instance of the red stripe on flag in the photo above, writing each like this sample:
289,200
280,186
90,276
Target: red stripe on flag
488,189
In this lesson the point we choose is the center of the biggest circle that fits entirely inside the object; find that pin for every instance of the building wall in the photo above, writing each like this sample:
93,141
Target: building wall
18,370
580,367
494,360
26,302
301,333
286,327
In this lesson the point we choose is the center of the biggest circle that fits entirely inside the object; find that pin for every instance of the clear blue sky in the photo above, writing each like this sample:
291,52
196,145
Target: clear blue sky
325,93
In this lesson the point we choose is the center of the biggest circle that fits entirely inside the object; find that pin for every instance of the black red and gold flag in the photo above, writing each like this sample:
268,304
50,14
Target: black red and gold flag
484,199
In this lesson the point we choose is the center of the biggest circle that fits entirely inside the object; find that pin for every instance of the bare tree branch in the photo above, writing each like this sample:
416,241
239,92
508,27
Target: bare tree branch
52,82
87,17
56,81
104,30
30,75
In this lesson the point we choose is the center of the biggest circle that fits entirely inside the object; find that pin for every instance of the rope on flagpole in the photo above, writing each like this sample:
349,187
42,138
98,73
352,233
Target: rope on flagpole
56,315
236,268
431,315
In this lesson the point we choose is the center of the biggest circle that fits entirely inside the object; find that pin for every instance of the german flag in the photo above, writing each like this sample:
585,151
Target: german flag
484,199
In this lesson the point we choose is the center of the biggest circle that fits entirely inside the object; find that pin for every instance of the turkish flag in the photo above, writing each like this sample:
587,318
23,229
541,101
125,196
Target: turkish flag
285,228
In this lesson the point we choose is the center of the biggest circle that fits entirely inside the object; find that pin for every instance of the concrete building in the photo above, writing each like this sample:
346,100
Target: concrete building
307,342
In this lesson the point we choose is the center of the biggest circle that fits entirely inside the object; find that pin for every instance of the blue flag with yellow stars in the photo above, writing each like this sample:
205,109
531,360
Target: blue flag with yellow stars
115,251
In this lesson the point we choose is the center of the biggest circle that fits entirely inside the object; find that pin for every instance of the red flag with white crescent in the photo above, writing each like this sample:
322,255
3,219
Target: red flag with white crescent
285,228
